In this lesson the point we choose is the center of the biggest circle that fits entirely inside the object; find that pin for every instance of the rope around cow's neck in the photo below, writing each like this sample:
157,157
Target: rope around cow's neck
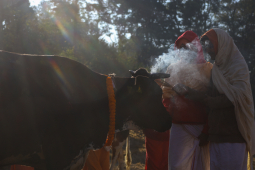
112,108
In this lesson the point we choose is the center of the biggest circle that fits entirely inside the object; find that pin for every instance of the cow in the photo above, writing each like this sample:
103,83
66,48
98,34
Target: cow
53,110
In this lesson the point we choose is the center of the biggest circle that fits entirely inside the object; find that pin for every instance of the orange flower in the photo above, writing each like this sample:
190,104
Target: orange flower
112,108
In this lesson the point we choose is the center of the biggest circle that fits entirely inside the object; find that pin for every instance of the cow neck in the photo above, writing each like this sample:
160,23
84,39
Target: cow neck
112,108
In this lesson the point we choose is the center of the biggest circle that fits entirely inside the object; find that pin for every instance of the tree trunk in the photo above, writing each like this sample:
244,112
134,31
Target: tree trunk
1,24
75,27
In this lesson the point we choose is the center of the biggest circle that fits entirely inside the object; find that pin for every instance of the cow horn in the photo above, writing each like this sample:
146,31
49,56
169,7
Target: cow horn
159,75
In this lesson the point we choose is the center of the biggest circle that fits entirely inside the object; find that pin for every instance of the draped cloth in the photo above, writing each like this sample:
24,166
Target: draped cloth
224,156
184,150
231,77
157,144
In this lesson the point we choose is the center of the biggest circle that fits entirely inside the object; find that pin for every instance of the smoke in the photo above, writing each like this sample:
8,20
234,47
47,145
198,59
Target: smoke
181,64
163,61
186,55
173,56
207,57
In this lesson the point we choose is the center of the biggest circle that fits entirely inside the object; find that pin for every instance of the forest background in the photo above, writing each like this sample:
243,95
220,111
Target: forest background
144,29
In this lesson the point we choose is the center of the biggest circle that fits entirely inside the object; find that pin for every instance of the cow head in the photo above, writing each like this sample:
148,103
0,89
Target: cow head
141,101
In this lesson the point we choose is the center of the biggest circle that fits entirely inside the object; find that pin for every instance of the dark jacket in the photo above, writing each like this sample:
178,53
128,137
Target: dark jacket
221,119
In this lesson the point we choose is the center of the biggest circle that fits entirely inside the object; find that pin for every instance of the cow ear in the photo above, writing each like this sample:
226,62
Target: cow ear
132,72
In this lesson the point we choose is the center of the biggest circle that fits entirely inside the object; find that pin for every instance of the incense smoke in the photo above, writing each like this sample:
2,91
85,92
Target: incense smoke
187,56
181,64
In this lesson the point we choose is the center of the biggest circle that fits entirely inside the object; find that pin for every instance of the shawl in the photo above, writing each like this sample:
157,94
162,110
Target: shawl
231,77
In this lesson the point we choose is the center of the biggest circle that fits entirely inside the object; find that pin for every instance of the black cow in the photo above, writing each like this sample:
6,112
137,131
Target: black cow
53,110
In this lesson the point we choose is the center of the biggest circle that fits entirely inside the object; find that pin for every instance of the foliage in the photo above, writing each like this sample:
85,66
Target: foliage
195,15
18,31
149,23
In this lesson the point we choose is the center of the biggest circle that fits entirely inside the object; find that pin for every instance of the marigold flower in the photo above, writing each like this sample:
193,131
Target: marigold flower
112,109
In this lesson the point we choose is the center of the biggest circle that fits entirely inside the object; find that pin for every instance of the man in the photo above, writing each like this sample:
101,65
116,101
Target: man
189,117
231,115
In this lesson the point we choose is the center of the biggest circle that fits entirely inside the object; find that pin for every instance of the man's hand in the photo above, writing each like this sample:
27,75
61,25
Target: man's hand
203,139
180,89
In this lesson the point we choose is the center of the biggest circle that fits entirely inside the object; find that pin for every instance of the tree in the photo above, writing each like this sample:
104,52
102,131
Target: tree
147,21
238,18
18,20
195,15
153,25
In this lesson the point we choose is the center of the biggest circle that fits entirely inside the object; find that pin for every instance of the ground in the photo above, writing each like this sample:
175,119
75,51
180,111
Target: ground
137,147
